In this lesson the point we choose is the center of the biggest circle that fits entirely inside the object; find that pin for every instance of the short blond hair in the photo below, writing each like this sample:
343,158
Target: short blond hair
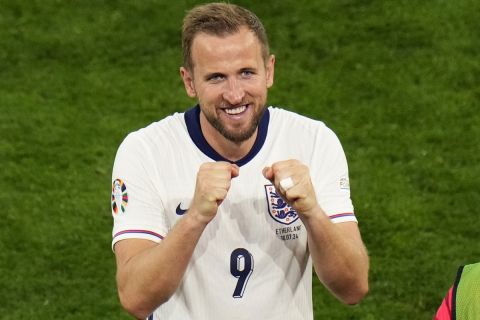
219,19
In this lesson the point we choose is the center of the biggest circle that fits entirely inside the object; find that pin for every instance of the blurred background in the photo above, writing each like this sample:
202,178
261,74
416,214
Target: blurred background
398,81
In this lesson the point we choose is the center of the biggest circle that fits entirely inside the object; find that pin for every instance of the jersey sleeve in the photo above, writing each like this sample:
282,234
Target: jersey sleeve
330,175
137,208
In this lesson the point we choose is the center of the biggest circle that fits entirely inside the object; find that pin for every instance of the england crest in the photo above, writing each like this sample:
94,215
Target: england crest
278,208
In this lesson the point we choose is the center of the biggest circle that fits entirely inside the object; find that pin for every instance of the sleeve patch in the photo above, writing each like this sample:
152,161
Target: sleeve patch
119,196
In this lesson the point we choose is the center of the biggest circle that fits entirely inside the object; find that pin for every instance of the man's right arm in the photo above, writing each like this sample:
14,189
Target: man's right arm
148,273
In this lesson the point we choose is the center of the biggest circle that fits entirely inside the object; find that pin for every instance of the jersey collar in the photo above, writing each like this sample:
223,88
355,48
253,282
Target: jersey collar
192,120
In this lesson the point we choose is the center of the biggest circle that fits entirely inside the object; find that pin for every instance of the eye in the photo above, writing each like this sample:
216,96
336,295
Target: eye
247,73
216,77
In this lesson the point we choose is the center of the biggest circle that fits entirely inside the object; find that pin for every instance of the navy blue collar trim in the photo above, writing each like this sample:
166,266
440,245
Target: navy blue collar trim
192,120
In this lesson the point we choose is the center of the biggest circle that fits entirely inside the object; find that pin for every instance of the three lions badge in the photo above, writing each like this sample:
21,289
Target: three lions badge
278,208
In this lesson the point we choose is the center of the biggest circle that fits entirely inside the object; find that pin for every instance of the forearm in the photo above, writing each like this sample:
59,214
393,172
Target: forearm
339,256
149,278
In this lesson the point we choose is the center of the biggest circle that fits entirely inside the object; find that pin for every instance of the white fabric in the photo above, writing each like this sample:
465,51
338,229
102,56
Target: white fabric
158,165
286,183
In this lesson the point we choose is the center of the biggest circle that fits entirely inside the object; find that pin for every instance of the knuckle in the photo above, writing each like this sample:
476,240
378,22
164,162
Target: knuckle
205,165
276,168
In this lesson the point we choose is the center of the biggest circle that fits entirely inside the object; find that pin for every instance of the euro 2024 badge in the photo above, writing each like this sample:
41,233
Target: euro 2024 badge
119,196
278,208
344,183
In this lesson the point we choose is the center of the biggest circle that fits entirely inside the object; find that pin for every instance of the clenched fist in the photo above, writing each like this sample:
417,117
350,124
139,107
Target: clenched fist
213,183
291,179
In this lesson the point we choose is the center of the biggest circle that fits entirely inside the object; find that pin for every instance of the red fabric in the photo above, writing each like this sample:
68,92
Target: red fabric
444,312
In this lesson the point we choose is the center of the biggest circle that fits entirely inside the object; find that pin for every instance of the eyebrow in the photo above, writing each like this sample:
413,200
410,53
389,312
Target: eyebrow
213,75
248,69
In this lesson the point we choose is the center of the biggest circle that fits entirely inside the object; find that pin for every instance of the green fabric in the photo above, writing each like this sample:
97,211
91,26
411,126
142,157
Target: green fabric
468,293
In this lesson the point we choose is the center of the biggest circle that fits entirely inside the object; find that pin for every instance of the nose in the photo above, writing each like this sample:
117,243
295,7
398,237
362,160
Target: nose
234,92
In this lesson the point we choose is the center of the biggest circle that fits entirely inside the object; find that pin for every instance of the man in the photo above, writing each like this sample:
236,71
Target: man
226,207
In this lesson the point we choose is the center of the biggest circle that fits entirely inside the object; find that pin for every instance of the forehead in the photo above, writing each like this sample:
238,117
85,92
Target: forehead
213,51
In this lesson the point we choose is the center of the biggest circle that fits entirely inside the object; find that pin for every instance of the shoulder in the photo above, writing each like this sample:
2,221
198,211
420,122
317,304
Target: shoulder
170,125
294,123
161,131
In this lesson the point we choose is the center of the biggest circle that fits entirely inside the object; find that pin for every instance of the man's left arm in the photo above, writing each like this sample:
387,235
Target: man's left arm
338,253
339,256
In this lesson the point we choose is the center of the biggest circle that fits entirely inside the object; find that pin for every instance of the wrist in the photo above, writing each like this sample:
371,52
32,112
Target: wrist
316,212
197,219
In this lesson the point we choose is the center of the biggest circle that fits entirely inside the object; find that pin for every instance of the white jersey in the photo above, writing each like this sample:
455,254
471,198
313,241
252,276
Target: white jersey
252,260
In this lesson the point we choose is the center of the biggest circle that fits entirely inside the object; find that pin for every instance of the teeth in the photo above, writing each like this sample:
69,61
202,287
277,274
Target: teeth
236,110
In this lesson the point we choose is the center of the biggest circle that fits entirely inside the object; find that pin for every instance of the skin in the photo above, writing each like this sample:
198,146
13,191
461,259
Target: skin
230,79
339,257
229,73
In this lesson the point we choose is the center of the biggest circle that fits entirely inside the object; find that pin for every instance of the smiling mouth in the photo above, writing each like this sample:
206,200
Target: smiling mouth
237,110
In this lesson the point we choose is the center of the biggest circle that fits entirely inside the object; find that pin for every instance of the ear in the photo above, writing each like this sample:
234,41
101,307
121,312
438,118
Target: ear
187,78
270,69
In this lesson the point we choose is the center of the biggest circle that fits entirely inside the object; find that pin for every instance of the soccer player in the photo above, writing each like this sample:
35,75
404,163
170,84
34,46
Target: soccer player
221,211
